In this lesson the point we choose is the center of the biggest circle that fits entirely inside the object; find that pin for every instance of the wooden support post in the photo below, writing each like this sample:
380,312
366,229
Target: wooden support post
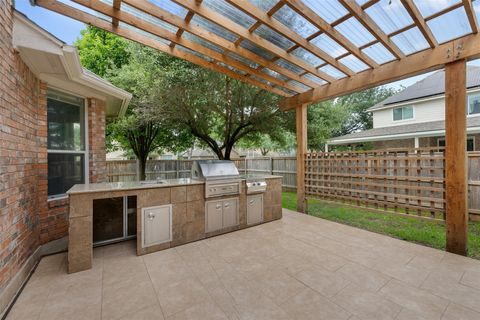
301,125
456,186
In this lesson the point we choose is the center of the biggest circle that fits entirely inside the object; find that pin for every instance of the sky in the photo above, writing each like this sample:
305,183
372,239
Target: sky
68,30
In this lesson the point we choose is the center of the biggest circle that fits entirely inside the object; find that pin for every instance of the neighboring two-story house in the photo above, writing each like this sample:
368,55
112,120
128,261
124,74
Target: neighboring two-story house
415,117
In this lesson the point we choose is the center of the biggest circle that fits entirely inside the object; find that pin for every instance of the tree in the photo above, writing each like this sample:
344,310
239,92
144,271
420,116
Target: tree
101,51
216,109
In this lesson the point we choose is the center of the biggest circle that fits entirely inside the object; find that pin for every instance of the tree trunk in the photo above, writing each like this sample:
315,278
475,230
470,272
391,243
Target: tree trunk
142,163
228,151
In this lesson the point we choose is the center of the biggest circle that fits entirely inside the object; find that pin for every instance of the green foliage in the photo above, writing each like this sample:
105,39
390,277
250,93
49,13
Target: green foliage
101,51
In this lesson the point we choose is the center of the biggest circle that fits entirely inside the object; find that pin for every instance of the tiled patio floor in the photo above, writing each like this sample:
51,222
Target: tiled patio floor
297,268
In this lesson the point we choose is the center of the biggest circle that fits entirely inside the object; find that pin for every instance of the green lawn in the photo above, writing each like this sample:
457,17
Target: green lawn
429,233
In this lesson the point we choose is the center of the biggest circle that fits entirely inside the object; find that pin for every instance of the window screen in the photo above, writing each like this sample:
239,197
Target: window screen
403,113
474,104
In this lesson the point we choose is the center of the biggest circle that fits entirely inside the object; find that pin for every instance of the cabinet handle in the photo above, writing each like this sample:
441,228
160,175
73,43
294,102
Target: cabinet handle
218,206
251,201
227,205
151,216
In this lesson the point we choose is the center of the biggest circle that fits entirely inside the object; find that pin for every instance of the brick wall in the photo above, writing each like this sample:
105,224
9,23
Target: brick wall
55,224
22,154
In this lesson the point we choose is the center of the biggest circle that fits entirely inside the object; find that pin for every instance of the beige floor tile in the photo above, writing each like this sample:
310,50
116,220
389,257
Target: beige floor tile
364,277
310,305
177,297
471,278
407,314
278,286
261,308
422,302
203,311
457,312
366,304
324,282
165,274
153,312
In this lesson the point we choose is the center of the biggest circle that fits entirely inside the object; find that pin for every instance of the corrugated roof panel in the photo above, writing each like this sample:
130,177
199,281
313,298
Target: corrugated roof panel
332,71
429,7
307,56
456,21
287,65
299,84
274,74
329,10
231,68
354,31
194,53
389,16
410,41
171,7
295,22
287,91
314,78
215,28
353,63
261,80
476,8
265,5
148,18
243,60
230,12
273,36
256,49
202,42
144,33
328,45
379,53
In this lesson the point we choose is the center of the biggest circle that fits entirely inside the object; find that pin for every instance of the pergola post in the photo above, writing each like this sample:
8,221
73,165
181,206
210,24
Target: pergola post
301,126
456,186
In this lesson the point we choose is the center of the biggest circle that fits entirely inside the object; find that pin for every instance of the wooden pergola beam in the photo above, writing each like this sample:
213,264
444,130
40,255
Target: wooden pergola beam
198,31
165,34
456,164
467,47
240,31
420,22
277,26
116,5
321,24
372,27
81,16
472,18
302,138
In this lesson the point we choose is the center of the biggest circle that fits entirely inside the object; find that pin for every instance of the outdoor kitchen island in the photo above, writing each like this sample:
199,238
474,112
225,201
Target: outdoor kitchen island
171,212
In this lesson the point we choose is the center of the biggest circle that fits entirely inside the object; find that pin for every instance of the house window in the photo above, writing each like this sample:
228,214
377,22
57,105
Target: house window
66,142
474,104
403,113
470,143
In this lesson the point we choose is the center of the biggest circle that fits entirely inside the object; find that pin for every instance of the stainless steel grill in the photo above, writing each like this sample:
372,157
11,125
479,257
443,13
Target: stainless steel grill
221,177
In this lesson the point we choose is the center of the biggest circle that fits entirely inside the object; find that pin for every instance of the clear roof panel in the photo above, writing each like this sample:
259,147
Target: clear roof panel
294,21
307,56
88,10
287,65
273,36
379,53
314,78
287,91
456,21
171,7
246,44
329,10
389,16
362,2
265,5
231,68
261,80
148,18
243,60
429,7
144,33
328,45
215,28
353,30
476,8
274,74
332,71
299,84
353,63
207,44
410,41
230,12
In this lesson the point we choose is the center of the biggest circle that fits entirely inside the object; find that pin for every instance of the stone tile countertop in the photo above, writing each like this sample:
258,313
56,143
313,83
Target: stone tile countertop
136,185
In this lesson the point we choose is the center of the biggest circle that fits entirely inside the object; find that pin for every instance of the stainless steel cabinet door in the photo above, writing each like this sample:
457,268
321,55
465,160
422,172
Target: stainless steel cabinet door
214,216
157,225
255,209
230,213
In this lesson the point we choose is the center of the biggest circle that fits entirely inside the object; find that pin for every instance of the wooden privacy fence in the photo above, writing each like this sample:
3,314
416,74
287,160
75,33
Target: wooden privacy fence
403,181
126,170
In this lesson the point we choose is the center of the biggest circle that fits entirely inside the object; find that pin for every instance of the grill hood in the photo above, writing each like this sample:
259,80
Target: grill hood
214,170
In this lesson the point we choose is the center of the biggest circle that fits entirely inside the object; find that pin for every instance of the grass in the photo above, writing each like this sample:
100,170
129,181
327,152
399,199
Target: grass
428,233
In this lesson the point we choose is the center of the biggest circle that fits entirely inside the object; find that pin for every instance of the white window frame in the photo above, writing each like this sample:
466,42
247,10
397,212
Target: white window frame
476,93
401,107
85,152
468,138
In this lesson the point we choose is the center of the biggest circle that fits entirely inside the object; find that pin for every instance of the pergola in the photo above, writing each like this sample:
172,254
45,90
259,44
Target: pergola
312,50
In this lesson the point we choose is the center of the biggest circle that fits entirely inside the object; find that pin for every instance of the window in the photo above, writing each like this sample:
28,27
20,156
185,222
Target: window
66,142
403,113
474,104
470,143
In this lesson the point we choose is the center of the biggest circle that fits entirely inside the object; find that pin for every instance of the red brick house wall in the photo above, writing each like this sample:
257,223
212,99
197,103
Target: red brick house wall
23,154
